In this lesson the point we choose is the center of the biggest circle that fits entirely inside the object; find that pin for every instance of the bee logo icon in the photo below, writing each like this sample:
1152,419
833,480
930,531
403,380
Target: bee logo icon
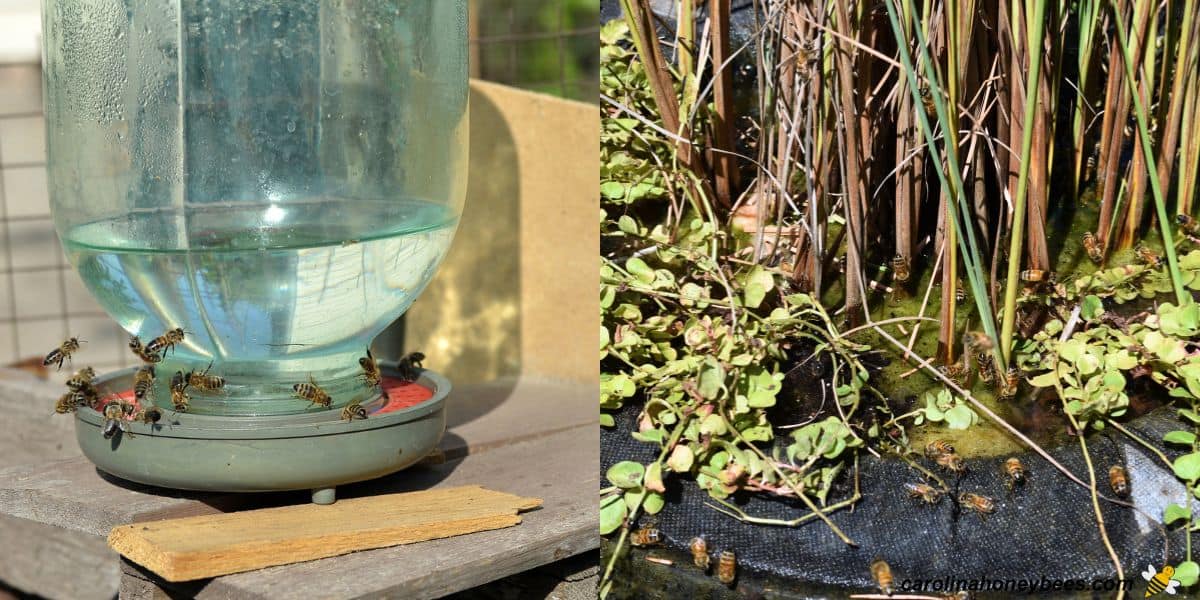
1159,582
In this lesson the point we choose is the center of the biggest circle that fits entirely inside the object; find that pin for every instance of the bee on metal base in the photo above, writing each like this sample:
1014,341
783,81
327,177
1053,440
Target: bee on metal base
727,567
205,382
645,536
371,374
927,493
63,352
352,411
980,505
1014,473
410,366
312,392
179,397
135,345
699,550
1118,479
881,572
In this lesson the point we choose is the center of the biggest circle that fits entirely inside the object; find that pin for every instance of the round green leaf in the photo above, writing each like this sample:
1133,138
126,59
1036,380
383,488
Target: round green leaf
653,503
1187,467
612,513
1187,573
1175,512
626,474
653,479
681,459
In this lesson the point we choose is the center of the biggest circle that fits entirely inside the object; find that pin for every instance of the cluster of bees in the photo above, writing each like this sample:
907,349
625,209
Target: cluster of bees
977,349
117,412
1189,225
726,567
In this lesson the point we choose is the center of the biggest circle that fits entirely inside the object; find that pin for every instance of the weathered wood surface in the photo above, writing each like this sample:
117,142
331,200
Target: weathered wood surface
191,548
521,436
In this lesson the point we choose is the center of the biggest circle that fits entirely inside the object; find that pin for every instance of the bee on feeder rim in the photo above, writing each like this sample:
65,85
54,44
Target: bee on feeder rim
726,567
927,493
352,411
143,382
699,549
645,536
410,366
135,344
371,373
312,392
1092,246
937,448
981,505
67,403
166,341
900,268
205,382
148,416
1148,256
179,397
951,462
1118,479
881,572
63,352
82,379
1014,473
115,413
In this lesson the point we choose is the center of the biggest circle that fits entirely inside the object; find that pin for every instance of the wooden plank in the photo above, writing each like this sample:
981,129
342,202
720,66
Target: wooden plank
559,468
212,545
56,563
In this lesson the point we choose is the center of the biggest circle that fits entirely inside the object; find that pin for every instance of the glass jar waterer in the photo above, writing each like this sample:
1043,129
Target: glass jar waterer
278,178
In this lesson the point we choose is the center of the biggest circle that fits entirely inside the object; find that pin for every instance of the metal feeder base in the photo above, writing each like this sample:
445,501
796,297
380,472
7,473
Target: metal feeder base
310,451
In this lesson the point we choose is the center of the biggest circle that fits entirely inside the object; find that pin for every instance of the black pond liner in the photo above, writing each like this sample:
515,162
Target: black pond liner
1046,529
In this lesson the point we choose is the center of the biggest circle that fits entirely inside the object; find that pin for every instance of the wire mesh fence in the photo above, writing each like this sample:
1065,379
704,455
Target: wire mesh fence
547,46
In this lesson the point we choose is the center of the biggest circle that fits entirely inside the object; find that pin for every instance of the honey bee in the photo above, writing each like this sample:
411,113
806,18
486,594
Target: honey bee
1009,383
1014,472
205,382
135,344
927,101
726,567
951,462
645,536
410,366
699,550
924,491
881,572
960,292
143,382
1190,225
1148,256
149,416
976,340
312,392
165,342
1089,172
352,411
371,374
63,352
82,379
1119,480
1033,275
937,448
1092,247
900,268
114,418
67,403
987,367
956,372
179,397
981,505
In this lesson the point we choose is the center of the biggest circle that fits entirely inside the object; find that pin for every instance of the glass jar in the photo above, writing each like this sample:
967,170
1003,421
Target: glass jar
278,178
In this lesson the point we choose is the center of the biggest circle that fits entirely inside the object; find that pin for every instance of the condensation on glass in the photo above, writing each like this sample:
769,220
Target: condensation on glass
278,178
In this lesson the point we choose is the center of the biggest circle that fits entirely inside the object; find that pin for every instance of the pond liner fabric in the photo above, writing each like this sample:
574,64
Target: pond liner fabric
1047,529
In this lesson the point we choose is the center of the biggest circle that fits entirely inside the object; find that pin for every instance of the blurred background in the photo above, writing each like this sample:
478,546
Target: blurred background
545,46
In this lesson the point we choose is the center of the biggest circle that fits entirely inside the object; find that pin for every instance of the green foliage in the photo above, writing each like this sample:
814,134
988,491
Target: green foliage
944,407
